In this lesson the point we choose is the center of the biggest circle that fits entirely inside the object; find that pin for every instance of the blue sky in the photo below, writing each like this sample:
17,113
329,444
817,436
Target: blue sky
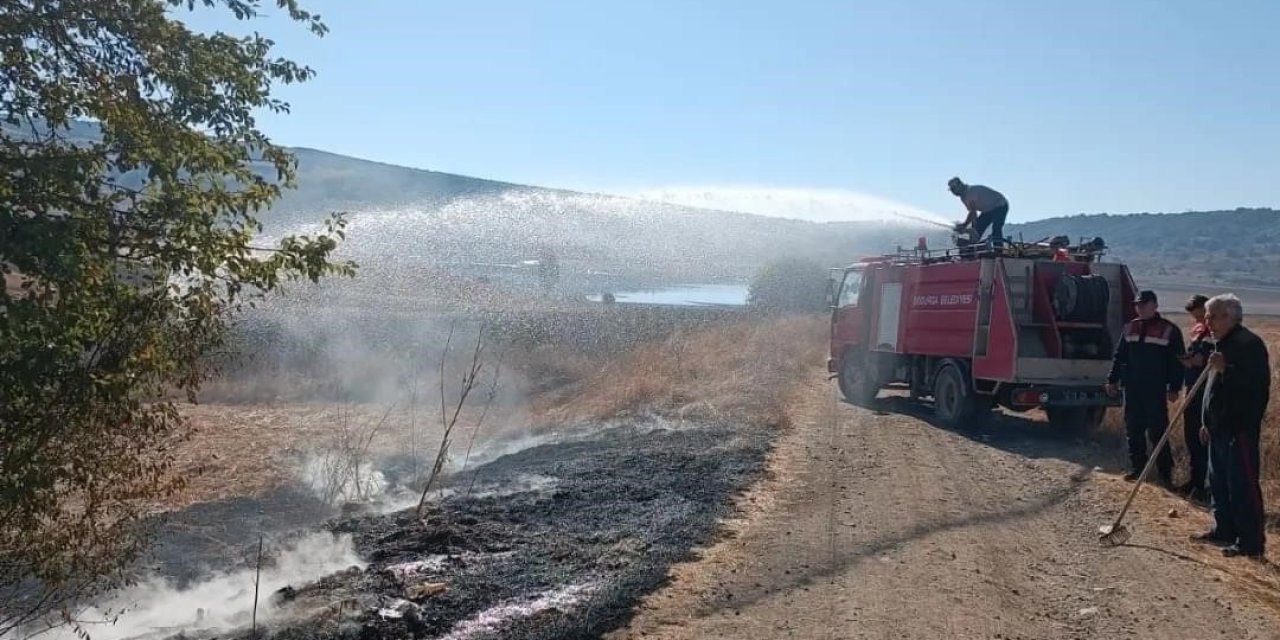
1086,106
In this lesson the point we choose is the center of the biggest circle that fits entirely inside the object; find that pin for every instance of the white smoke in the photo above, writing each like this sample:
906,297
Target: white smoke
155,608
337,477
818,205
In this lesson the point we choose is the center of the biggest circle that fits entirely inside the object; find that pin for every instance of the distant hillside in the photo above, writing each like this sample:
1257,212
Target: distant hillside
1211,247
405,222
332,181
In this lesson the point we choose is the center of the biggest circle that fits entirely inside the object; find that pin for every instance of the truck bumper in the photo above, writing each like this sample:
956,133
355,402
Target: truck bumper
1074,396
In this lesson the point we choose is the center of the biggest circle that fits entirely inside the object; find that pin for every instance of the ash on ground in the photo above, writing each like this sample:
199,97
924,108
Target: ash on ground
563,559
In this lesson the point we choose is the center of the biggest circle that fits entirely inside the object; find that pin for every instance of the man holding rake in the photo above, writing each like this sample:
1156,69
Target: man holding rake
1235,402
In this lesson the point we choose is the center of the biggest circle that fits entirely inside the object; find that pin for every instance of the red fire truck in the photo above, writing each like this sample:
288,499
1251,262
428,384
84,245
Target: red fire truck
1023,326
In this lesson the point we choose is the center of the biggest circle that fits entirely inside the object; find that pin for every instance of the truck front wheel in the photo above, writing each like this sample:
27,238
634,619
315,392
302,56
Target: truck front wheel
859,381
954,403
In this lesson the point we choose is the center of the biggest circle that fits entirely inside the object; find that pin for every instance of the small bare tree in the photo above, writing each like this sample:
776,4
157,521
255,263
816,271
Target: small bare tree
449,413
490,397
344,465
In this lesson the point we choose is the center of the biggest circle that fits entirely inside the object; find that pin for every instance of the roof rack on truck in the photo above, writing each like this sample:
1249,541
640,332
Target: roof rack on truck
1058,248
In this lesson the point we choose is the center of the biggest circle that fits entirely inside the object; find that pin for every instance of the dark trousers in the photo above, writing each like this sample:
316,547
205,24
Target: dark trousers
994,219
1146,414
1197,452
1233,483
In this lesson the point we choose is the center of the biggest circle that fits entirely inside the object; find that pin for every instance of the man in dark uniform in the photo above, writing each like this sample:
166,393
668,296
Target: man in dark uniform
1147,364
1198,349
1234,405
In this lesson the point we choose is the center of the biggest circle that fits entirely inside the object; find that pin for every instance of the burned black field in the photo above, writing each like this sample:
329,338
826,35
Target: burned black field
567,557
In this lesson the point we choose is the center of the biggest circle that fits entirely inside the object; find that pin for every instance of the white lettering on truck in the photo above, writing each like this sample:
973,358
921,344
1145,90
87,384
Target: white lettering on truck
943,300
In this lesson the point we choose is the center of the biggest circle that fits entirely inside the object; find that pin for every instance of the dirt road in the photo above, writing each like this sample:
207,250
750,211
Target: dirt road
878,524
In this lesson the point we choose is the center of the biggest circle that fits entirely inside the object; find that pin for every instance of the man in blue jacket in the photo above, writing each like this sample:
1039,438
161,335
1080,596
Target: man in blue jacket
1148,365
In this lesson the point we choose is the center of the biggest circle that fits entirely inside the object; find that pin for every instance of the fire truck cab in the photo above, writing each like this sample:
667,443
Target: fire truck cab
1029,325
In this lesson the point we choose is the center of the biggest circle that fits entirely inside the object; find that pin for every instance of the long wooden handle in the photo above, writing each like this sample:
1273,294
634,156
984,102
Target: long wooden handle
1151,462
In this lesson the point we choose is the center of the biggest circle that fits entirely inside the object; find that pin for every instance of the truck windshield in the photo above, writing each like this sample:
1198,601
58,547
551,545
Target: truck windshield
850,287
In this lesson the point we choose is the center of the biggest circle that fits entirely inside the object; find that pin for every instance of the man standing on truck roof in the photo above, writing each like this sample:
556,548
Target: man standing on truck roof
1148,365
1235,403
987,207
1198,349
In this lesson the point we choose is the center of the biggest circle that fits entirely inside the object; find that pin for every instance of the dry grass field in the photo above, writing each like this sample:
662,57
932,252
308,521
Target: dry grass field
1269,329
744,371
741,370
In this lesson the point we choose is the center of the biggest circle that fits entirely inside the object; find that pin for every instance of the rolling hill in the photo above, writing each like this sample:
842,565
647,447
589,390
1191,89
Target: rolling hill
1237,247
405,219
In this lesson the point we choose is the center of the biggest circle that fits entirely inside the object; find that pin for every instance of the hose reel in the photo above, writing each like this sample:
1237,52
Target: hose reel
1081,298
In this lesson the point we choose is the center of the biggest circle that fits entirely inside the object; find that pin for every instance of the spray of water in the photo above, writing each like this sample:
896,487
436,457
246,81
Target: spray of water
413,253
819,205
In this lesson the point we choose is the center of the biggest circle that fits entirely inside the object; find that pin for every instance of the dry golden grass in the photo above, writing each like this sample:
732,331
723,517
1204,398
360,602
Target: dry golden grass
239,450
744,371
741,371
1269,329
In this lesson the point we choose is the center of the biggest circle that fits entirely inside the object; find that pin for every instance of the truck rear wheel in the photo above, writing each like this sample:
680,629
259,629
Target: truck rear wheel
954,402
1076,420
859,380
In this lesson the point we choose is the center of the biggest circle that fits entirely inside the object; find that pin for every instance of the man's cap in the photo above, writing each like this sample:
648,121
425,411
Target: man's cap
1146,295
1196,302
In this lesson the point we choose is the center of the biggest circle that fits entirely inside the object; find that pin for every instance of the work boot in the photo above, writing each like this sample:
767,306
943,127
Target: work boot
1236,550
1213,537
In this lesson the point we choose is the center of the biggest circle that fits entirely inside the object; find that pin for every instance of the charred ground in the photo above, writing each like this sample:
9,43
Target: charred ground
618,457
568,559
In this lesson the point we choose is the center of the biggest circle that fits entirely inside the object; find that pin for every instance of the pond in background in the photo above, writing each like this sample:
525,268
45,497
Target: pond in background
689,295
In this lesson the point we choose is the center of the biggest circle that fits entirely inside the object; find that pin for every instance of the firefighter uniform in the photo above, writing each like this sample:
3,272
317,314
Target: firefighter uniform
1234,405
1147,365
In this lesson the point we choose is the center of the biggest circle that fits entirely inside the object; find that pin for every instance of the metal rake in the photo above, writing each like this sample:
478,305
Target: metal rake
1116,533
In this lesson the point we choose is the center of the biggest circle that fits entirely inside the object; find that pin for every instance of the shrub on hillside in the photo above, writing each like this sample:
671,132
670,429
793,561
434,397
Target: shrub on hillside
792,285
